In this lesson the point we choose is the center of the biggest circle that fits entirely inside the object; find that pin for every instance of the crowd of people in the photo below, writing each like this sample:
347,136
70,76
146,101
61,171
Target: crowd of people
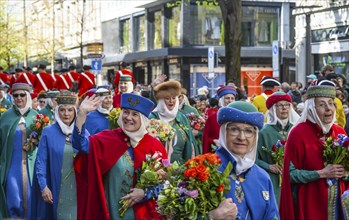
81,167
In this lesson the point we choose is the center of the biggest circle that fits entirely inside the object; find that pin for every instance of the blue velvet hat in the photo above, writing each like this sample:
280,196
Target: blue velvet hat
137,103
242,112
226,90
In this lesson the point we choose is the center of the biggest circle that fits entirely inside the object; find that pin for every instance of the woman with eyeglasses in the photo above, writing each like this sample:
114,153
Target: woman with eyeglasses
311,190
54,186
280,118
251,194
16,159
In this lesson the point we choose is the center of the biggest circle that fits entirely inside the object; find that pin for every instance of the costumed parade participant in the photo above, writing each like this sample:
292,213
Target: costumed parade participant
97,120
280,119
51,104
183,146
86,80
226,95
125,85
44,81
54,185
307,191
105,167
268,83
251,190
16,158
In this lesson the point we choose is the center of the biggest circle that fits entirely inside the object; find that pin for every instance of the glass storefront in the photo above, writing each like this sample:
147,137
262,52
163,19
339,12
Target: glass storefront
340,62
125,46
139,32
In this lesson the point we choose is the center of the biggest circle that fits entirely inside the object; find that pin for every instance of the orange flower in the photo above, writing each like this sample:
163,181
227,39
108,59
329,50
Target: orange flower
200,159
191,172
190,163
46,119
201,168
220,188
203,176
38,125
213,158
197,126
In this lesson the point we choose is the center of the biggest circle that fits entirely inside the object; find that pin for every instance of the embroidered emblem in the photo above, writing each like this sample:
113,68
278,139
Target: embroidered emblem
265,195
135,103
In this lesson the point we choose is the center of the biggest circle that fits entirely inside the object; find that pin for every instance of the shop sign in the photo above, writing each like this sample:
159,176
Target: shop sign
329,34
253,75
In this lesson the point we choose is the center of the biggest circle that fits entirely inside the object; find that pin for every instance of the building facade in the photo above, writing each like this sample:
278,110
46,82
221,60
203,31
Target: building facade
63,31
322,36
163,37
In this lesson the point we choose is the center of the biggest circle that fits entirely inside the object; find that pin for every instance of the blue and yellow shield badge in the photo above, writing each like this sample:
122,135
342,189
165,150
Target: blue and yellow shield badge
265,195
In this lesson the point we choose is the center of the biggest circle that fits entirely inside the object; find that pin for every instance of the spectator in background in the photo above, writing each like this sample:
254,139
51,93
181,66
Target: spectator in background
213,107
346,111
310,79
285,87
342,83
4,102
295,93
35,102
300,108
42,100
327,69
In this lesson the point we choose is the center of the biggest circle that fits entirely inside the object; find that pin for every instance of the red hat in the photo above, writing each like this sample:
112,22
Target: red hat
276,97
34,95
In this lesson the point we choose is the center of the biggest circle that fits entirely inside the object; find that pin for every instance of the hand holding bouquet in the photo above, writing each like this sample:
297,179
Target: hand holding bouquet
277,153
40,121
336,151
154,172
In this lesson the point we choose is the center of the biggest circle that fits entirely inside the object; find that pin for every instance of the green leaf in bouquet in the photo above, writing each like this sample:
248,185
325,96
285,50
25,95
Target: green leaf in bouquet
227,170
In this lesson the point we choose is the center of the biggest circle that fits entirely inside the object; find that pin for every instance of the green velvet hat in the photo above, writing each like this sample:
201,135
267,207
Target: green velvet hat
66,98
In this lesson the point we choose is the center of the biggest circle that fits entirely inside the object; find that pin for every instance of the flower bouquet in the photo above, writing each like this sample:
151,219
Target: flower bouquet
40,121
195,191
113,117
277,153
196,122
154,172
336,151
161,130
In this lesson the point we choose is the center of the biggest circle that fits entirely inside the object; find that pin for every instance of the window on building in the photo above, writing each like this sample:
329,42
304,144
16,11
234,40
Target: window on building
174,27
125,46
259,25
140,35
157,30
206,25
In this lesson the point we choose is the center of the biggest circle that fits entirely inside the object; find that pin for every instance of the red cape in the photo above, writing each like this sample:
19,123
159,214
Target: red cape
106,148
305,150
211,132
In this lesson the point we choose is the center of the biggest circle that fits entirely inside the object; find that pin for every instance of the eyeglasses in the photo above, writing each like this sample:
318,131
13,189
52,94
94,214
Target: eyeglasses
323,105
286,105
19,94
42,101
235,131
